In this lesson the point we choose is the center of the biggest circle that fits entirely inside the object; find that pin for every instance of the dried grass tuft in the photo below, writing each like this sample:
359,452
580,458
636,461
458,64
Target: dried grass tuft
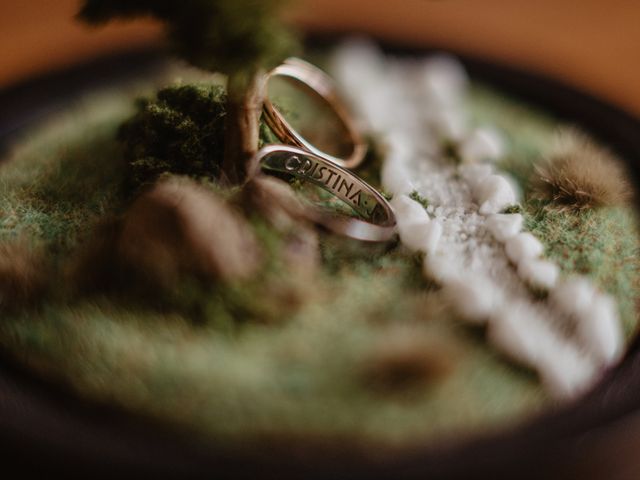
579,174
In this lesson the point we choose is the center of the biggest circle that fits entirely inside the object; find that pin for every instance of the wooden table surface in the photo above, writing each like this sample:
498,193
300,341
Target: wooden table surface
592,44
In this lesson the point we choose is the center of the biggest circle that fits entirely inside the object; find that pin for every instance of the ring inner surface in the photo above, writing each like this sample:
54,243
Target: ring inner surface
311,116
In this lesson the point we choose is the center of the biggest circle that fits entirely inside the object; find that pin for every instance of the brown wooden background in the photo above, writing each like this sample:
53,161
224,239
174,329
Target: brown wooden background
594,44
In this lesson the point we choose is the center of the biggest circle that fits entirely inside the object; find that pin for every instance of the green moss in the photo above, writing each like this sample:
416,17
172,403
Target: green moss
602,243
181,131
279,353
58,185
415,195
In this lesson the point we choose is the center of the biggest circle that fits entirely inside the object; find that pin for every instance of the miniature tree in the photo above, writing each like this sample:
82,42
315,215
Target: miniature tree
239,38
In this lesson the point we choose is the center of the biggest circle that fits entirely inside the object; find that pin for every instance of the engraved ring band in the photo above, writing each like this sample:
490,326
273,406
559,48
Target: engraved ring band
378,220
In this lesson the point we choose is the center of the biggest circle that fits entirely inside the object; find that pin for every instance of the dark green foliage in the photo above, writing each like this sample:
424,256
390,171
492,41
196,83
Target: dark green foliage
181,131
217,35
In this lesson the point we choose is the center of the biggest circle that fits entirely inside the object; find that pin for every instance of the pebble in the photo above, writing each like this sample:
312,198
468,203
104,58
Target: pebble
523,246
474,173
474,297
600,332
573,296
494,193
541,274
395,179
448,124
414,235
408,209
565,372
503,226
441,268
516,330
444,80
434,234
482,144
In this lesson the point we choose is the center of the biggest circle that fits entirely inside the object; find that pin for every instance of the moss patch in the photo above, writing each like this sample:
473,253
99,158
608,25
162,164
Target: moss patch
601,243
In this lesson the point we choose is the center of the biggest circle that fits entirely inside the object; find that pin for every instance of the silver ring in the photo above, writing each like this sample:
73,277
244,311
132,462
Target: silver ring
322,85
377,220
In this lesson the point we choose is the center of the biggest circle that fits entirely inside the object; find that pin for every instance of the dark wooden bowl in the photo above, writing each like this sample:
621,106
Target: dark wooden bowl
44,429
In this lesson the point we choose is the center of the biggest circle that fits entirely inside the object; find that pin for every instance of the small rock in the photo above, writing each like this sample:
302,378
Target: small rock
523,246
573,296
537,273
404,360
482,144
494,194
517,331
395,179
413,235
474,174
473,297
408,209
600,331
432,239
441,268
181,227
301,251
565,373
504,226
444,80
448,124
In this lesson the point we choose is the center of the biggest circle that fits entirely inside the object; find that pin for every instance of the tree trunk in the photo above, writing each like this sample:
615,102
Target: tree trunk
245,96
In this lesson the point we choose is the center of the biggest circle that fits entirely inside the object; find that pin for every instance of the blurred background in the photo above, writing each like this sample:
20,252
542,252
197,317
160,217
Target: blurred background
591,44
